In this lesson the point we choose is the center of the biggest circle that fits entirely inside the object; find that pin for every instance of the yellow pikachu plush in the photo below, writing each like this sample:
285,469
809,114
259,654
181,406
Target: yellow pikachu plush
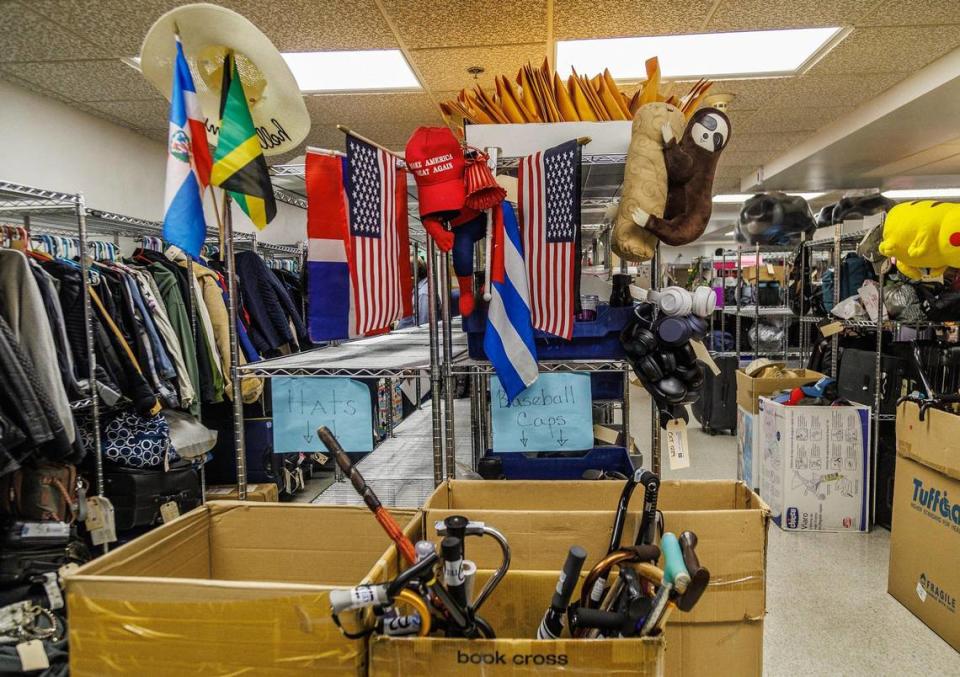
923,236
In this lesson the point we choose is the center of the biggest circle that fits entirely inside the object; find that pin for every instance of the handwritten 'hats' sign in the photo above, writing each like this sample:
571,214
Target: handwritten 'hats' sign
208,32
302,404
554,414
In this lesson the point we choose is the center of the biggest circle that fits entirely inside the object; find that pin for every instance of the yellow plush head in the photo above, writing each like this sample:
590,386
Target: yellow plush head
922,235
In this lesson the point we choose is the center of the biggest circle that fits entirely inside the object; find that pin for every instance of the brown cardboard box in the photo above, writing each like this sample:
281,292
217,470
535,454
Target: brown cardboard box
541,520
263,493
925,546
514,610
229,588
934,441
750,390
767,273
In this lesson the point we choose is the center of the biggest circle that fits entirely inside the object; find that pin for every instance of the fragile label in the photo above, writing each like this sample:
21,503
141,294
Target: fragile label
32,656
831,329
169,511
678,452
921,592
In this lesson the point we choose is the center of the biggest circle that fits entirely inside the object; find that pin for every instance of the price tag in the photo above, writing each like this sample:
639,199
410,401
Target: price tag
169,511
704,356
51,585
94,519
677,449
770,269
830,329
32,656
101,509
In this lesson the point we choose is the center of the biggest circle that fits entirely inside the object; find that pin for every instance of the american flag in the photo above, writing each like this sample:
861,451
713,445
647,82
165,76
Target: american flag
550,224
380,267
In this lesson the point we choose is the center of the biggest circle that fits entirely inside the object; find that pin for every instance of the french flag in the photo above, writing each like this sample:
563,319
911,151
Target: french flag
508,340
330,313
188,163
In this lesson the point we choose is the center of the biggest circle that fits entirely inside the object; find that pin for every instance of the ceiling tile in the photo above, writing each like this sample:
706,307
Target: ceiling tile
152,113
159,134
120,26
770,142
888,50
582,19
734,15
726,182
789,120
374,108
454,23
749,158
899,13
30,86
833,90
749,94
86,80
446,69
30,37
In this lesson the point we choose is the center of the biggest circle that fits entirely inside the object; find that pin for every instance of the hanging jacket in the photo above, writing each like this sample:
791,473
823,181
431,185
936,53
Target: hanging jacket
22,307
270,327
51,303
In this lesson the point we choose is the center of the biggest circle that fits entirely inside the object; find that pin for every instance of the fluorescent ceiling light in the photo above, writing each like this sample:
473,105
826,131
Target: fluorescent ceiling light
921,193
711,55
368,70
738,198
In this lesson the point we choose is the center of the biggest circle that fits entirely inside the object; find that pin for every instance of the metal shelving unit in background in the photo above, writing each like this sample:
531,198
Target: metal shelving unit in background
756,311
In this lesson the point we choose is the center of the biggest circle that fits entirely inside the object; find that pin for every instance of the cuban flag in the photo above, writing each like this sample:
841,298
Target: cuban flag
330,312
188,163
508,340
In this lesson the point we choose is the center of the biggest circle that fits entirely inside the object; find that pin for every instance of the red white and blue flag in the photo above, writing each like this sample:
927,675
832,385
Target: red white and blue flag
188,163
549,193
358,267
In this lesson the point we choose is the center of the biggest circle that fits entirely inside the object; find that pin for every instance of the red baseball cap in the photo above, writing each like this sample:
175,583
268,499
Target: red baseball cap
434,156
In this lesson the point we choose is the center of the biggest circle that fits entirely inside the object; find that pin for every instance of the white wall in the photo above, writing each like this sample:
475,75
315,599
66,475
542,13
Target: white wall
51,145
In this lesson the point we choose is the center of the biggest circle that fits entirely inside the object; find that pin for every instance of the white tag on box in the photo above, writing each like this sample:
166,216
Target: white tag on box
921,592
678,451
32,656
169,511
770,269
704,356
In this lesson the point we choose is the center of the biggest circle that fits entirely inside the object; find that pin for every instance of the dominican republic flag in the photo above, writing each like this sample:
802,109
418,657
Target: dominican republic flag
188,163
508,340
329,313
379,243
549,193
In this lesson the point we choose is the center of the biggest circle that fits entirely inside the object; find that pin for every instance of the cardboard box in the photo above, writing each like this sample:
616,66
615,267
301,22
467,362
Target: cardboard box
925,547
748,448
767,273
750,390
514,610
263,493
229,588
815,470
934,441
541,520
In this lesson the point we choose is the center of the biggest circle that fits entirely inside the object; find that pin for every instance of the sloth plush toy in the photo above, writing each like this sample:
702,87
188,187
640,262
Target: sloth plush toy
691,164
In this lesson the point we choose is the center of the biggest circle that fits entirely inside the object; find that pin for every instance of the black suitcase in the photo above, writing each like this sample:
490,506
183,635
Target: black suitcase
717,408
263,466
138,494
856,377
29,550
886,467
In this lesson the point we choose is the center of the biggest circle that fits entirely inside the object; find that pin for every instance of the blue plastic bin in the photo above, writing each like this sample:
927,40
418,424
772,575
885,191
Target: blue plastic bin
520,466
597,339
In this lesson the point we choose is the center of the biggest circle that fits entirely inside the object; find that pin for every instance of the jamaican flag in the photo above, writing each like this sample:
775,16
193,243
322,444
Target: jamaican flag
238,163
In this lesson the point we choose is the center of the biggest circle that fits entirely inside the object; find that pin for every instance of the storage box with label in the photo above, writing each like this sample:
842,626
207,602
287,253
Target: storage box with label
815,470
229,588
925,538
263,493
750,389
515,610
748,444
723,635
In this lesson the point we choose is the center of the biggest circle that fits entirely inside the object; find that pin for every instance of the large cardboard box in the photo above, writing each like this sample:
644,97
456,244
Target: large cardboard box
514,610
766,273
925,547
263,493
229,588
815,471
750,389
748,448
934,441
723,635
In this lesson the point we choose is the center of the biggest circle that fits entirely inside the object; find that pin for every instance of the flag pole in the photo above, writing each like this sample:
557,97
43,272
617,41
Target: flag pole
347,130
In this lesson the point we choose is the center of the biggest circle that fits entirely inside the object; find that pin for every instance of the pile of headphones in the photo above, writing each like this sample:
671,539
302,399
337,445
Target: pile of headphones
657,345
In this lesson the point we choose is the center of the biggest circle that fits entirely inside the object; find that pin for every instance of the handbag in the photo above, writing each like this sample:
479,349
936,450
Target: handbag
132,440
45,491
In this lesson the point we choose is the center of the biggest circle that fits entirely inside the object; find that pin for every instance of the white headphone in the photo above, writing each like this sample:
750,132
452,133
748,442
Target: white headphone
677,301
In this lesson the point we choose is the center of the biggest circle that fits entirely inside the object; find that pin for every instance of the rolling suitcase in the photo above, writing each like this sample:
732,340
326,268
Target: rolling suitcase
138,494
856,378
717,408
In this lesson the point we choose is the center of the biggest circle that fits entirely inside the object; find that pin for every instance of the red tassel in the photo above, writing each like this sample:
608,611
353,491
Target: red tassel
483,191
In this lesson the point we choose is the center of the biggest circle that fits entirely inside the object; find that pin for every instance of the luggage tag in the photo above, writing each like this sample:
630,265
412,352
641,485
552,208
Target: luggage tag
51,585
32,656
101,521
829,330
703,355
678,450
770,269
169,511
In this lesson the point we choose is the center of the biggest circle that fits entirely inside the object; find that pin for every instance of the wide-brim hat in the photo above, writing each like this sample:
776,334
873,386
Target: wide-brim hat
208,32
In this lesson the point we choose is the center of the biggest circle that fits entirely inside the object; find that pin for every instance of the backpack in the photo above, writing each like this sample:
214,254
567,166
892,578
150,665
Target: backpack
854,271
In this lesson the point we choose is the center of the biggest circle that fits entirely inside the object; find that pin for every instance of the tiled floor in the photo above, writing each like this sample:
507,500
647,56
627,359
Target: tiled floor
828,611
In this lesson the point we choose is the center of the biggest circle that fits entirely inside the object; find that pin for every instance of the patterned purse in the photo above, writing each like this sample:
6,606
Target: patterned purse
132,440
